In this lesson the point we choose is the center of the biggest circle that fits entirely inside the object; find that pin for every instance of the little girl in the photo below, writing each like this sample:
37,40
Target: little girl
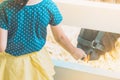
23,26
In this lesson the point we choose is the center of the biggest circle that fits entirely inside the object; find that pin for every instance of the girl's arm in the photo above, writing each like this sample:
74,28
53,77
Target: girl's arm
61,38
3,39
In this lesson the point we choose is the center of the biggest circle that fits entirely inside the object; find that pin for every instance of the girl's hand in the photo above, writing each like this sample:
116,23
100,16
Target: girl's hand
62,39
79,54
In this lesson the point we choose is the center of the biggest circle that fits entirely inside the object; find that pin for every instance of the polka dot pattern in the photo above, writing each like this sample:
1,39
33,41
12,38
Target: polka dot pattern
27,27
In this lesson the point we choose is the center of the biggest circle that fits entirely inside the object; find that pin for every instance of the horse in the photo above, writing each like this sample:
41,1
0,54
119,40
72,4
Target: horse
96,43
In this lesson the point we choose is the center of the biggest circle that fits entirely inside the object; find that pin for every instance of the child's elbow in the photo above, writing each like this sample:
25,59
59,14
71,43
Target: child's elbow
59,38
2,49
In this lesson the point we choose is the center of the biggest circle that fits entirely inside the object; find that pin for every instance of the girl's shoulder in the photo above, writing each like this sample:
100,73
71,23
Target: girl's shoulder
49,3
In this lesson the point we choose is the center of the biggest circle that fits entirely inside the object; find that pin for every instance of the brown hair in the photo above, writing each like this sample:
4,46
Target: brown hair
21,2
18,4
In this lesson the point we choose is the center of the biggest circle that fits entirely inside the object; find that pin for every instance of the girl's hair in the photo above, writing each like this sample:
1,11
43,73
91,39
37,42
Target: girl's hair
20,3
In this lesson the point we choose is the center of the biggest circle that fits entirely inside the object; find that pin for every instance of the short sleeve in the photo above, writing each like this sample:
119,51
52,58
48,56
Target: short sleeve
55,15
3,19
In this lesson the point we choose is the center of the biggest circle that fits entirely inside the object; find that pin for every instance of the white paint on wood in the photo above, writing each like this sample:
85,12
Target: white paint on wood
72,71
91,15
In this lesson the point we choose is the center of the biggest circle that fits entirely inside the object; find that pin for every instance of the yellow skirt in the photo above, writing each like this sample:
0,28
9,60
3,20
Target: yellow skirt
33,66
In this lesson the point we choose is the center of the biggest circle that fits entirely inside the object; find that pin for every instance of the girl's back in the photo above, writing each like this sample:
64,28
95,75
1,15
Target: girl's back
27,26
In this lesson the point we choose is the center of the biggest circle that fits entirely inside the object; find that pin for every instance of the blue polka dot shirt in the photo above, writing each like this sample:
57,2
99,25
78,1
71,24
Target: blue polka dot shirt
27,26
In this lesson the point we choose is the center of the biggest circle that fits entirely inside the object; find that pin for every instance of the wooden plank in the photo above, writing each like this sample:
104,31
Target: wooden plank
73,71
91,15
